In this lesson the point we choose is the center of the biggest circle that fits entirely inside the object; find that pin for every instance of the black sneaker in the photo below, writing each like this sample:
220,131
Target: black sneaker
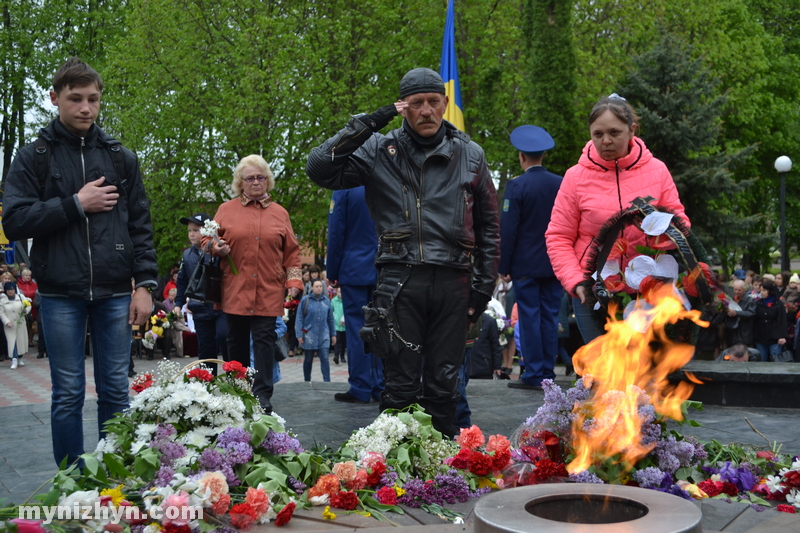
346,397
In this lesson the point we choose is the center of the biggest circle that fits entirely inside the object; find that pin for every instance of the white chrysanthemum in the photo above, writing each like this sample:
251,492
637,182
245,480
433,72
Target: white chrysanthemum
137,446
194,412
108,444
145,431
794,497
196,439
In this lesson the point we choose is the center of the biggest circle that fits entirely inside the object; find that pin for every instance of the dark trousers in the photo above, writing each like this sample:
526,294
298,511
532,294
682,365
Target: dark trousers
538,300
365,370
341,345
431,311
262,328
212,334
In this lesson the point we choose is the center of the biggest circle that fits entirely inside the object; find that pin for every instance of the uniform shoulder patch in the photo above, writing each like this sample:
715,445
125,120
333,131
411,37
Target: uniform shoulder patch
333,203
506,203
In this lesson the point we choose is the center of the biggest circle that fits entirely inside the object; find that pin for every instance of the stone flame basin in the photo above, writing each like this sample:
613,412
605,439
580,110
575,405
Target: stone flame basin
585,508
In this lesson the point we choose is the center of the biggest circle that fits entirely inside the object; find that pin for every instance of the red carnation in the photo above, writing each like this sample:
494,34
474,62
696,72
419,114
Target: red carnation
173,528
285,514
501,459
461,460
545,469
243,516
712,488
729,488
378,469
480,464
346,500
235,366
387,496
689,284
200,373
785,508
791,479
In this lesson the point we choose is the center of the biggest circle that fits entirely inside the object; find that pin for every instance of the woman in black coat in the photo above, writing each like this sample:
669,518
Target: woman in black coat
769,328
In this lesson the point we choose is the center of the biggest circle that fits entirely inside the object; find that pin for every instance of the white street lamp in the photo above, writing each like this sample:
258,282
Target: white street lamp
783,165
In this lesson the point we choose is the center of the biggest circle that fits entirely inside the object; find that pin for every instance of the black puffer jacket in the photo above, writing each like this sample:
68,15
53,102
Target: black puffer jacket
76,254
770,321
439,209
487,354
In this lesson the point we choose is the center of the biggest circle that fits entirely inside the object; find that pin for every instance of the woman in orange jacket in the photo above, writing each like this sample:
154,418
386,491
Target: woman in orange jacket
257,235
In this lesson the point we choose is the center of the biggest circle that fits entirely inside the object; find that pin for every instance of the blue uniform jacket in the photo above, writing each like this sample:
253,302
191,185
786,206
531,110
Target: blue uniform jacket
314,322
527,204
352,241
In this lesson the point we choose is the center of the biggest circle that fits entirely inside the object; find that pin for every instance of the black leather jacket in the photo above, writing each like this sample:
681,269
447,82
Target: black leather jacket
437,209
76,254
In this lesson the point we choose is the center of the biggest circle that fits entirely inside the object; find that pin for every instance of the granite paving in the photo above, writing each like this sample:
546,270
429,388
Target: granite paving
26,462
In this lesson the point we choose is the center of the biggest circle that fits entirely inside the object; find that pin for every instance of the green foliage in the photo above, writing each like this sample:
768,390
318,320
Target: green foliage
679,110
548,34
194,86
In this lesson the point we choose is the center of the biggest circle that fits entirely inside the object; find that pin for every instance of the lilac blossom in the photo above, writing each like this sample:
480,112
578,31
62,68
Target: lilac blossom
700,452
389,478
164,476
239,452
451,487
233,435
673,454
296,485
281,443
211,459
170,451
164,432
586,477
649,477
417,493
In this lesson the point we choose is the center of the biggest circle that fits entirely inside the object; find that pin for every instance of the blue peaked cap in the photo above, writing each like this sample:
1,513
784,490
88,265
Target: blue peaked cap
532,139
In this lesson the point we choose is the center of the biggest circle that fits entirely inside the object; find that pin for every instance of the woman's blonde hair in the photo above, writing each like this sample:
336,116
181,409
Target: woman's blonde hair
251,161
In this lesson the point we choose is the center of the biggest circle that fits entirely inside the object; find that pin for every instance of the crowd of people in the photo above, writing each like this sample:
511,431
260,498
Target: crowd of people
419,293
758,321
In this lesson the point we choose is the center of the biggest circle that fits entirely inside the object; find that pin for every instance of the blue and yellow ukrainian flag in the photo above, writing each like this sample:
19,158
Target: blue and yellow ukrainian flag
449,70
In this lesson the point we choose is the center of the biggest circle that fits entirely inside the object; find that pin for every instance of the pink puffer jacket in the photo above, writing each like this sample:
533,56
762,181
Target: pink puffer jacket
592,192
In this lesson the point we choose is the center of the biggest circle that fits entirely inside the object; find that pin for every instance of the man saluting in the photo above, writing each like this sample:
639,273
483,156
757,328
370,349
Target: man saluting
430,194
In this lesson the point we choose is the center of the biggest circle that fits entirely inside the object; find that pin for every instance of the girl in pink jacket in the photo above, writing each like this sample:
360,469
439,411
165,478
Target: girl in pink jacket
615,168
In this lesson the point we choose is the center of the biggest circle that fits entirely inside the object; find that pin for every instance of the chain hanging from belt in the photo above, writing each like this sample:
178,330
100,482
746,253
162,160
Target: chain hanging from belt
410,345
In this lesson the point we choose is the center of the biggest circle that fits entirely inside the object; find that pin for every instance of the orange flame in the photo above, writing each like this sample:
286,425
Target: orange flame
629,366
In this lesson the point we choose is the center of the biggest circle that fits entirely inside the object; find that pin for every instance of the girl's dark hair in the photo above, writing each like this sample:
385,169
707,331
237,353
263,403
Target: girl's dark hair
785,277
617,105
76,73
770,287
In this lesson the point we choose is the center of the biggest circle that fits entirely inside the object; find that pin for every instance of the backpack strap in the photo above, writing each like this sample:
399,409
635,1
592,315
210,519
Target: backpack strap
118,158
41,160
43,154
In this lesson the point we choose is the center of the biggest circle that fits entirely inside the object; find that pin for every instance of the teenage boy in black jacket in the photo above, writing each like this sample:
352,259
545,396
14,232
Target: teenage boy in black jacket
79,194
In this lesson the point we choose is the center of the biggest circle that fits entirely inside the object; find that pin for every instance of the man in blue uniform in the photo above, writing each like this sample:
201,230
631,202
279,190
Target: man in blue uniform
527,204
351,262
